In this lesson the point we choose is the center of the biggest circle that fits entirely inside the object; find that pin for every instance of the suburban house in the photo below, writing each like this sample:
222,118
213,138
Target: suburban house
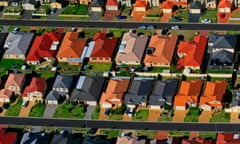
53,97
86,2
114,94
130,140
195,7
15,83
212,97
210,4
228,138
138,92
188,94
30,4
57,4
112,5
154,3
4,3
35,137
88,90
139,9
131,49
163,93
17,45
191,53
224,10
63,85
44,48
197,140
103,49
35,90
72,48
235,104
166,7
127,3
5,95
2,41
94,140
59,138
160,51
179,3
221,49
97,5
8,137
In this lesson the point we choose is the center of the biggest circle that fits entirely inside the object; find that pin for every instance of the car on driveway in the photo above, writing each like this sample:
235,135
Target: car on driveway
175,27
121,17
176,19
206,21
24,103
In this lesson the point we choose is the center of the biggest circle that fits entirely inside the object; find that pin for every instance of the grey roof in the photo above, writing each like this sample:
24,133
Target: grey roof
195,5
163,92
53,95
62,81
90,90
94,140
59,139
235,102
97,3
221,57
18,43
222,41
139,90
35,138
30,1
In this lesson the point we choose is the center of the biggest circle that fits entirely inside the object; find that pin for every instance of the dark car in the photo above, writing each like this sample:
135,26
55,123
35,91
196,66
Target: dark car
121,17
93,130
5,105
176,19
36,17
164,31
107,112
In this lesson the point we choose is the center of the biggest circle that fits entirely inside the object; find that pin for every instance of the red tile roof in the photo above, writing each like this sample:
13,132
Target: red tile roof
7,138
41,46
167,5
191,52
112,3
37,84
225,4
197,140
104,46
227,138
140,3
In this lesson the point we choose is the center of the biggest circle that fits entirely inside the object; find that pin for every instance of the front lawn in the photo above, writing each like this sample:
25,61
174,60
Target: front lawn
96,112
11,64
183,14
47,74
109,133
37,110
68,110
209,14
158,69
220,117
192,115
149,134
14,109
117,114
98,67
141,115
207,135
165,117
76,10
90,32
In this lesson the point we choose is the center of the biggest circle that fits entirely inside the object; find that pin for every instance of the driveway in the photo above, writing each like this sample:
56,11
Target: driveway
49,110
55,15
205,116
24,112
110,15
234,117
27,14
95,16
89,111
194,18
179,115
127,118
153,115
165,17
102,116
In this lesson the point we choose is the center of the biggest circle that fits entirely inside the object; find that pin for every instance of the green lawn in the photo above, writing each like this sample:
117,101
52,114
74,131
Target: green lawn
95,113
117,114
76,10
220,71
149,134
192,115
178,134
209,14
184,14
158,69
115,117
68,110
65,67
165,117
99,67
207,135
11,63
141,115
37,110
47,74
118,32
90,32
220,117
14,109
110,133
126,11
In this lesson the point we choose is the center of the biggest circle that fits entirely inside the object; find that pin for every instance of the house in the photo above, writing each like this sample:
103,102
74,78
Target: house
8,137
35,90
160,51
224,6
138,92
88,90
191,53
210,4
4,3
221,49
197,140
112,5
154,3
114,94
44,47
213,95
86,2
188,94
35,138
59,139
127,3
94,140
63,85
228,138
179,3
15,83
103,49
167,7
53,97
140,5
30,4
72,48
195,7
5,95
56,4
130,140
163,93
131,49
17,44
235,104
97,5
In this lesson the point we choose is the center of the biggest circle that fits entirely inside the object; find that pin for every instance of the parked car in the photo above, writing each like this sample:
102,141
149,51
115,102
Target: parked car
176,19
24,103
36,17
130,112
164,31
206,21
107,112
16,29
53,10
175,27
142,27
92,130
121,17
151,27
5,105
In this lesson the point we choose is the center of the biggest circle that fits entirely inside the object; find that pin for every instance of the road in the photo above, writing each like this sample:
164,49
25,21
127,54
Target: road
215,127
117,24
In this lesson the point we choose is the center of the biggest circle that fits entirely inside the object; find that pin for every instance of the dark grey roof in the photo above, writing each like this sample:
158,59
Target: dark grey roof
94,140
53,95
139,90
90,89
222,41
163,92
195,5
62,81
74,139
221,57
59,139
97,3
58,1
2,38
235,102
30,1
35,138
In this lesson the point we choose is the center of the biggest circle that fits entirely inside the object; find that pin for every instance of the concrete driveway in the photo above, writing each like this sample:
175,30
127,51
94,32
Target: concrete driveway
234,117
179,115
49,110
153,115
89,111
205,116
27,14
55,15
194,18
95,16
102,116
24,112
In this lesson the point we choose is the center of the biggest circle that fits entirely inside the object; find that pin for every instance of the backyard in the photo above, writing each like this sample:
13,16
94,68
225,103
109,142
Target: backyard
98,67
37,110
76,10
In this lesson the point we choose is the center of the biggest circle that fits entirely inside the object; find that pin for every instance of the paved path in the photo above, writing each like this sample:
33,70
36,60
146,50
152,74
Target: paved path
89,112
205,116
24,112
153,115
55,15
49,110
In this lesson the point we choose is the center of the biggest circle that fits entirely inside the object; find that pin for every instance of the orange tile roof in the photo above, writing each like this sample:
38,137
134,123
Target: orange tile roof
112,3
226,138
164,49
197,140
14,79
179,2
5,93
140,3
115,91
71,46
225,4
167,5
192,52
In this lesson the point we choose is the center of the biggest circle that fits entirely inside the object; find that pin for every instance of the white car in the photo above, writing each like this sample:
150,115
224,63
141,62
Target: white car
206,21
175,27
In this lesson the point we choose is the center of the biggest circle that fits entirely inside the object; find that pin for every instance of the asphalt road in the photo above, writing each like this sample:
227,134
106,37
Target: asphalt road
118,24
215,127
